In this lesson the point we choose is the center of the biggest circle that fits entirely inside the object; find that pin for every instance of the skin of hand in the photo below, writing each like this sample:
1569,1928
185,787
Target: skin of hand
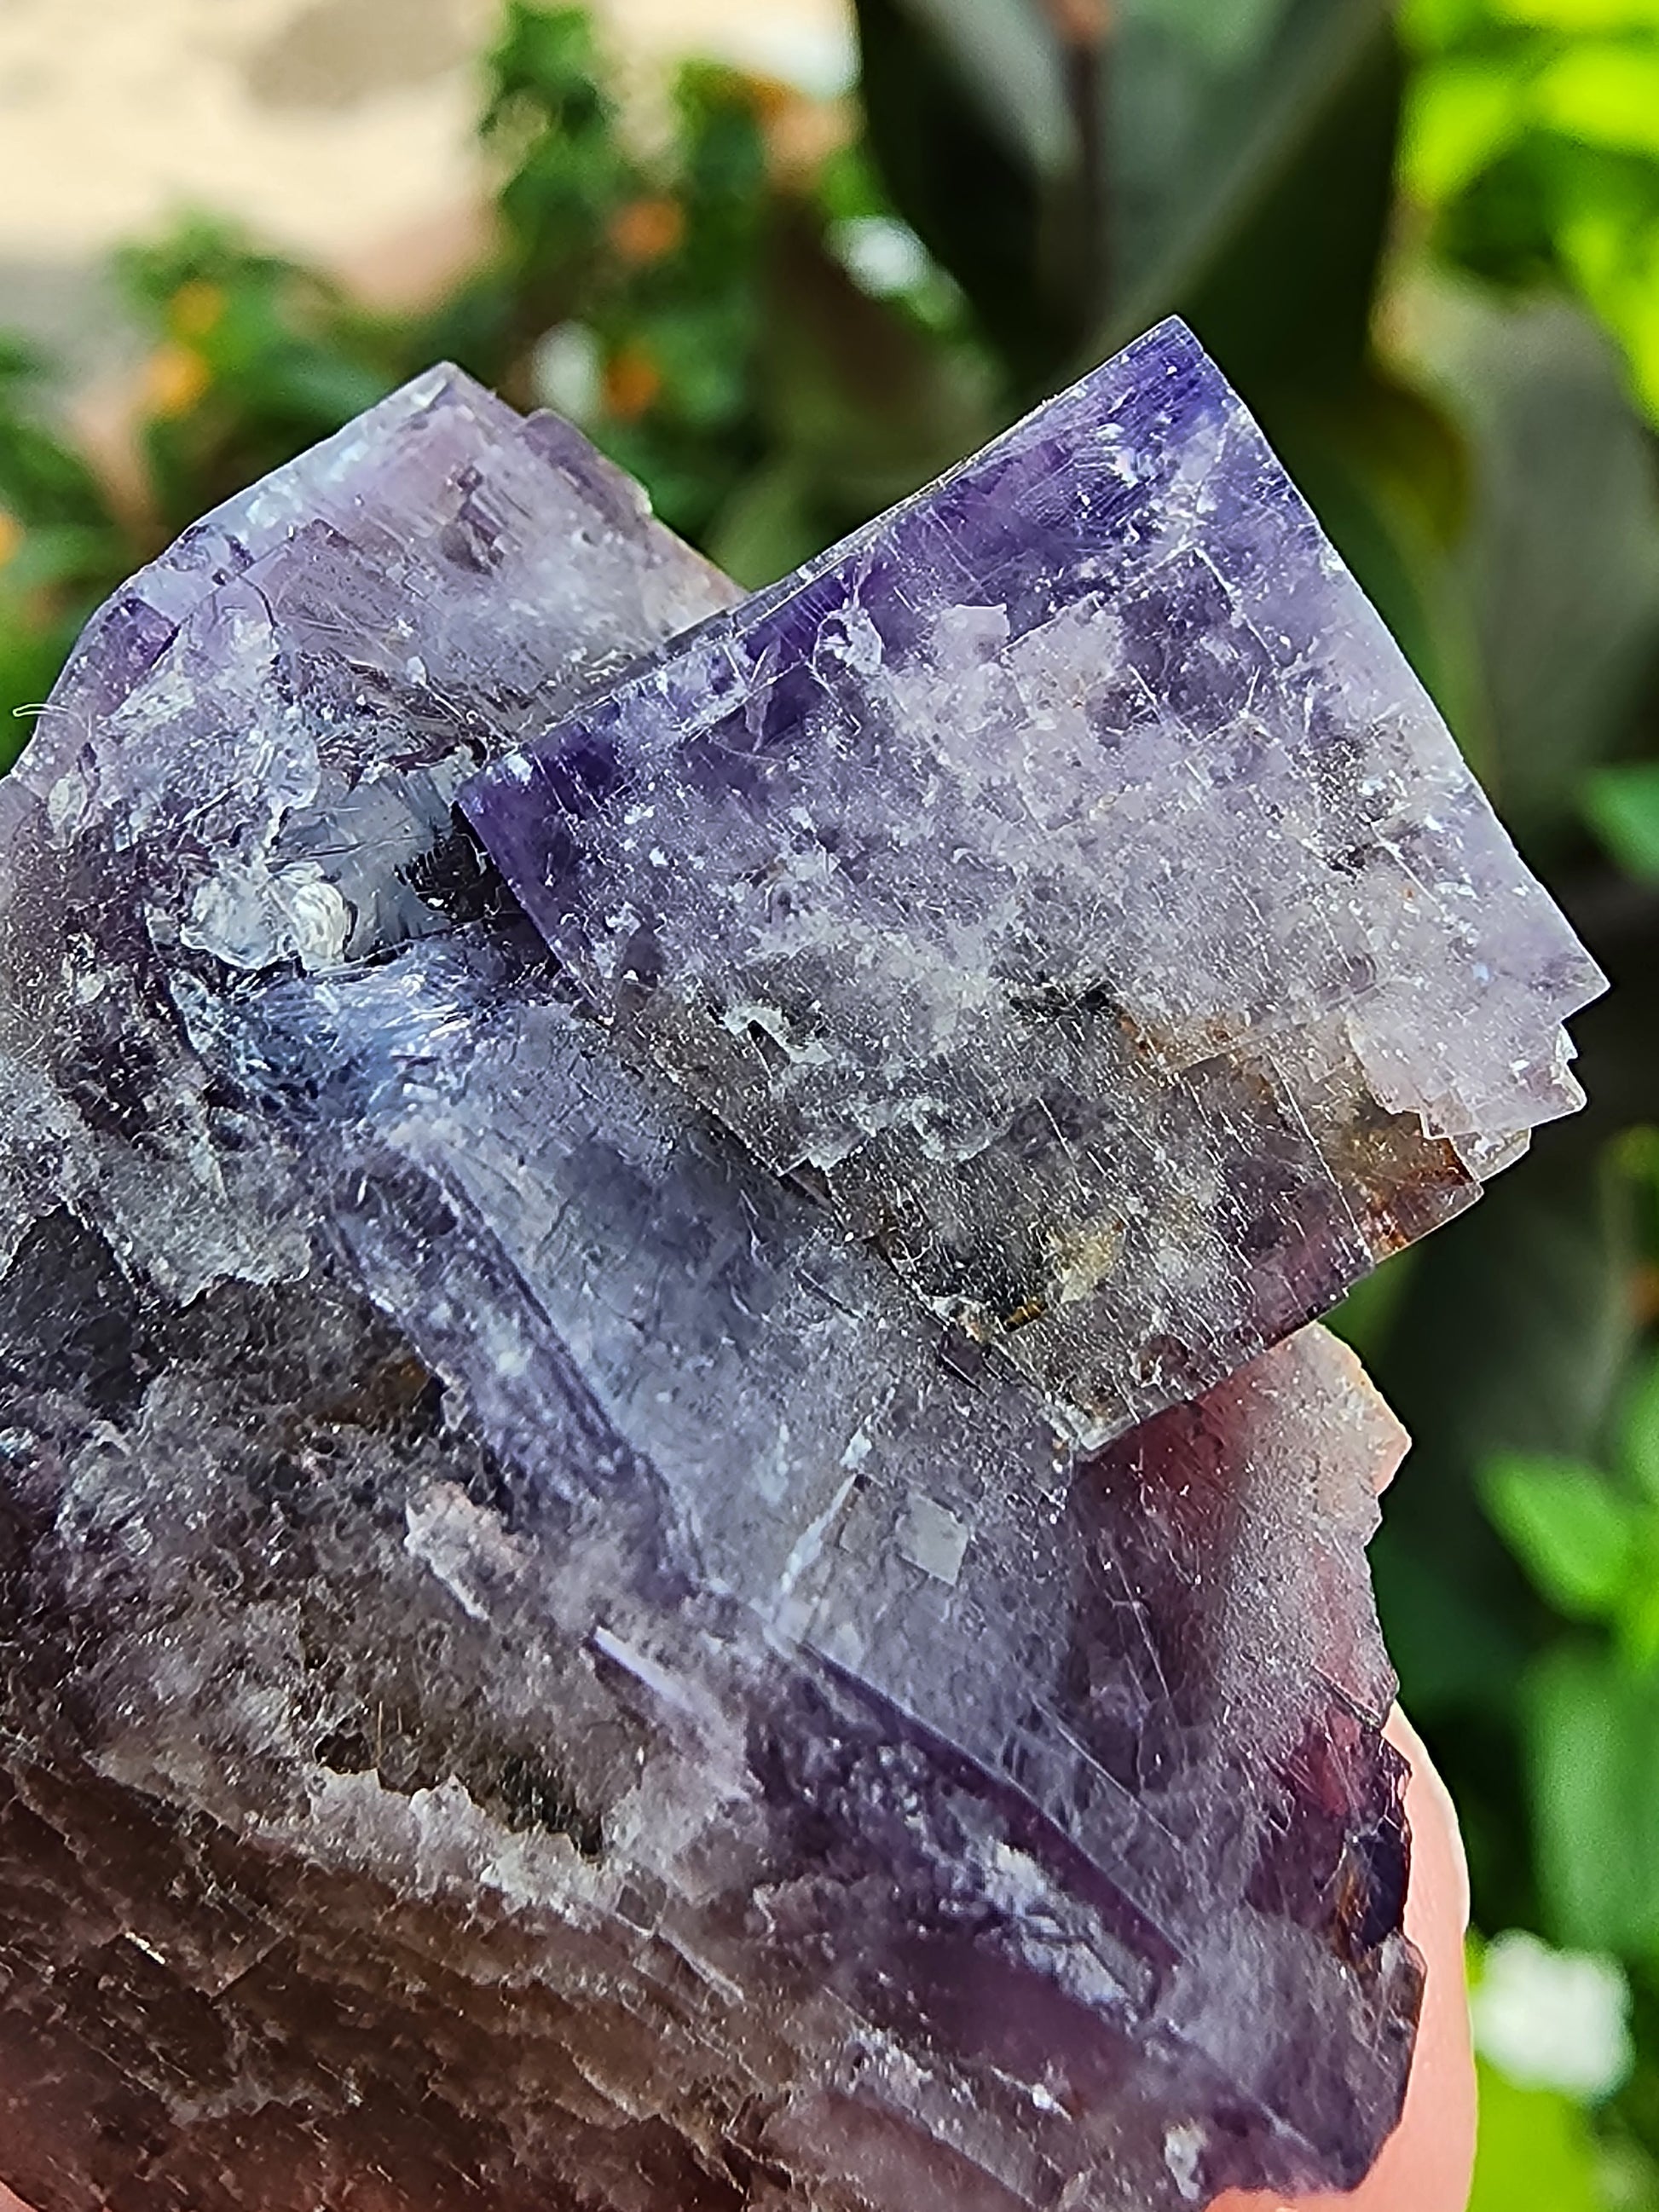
1426,2164
1428,2161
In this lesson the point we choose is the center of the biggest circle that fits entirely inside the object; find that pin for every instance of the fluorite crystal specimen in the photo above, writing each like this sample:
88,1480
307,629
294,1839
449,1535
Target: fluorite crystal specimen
1069,876
536,1673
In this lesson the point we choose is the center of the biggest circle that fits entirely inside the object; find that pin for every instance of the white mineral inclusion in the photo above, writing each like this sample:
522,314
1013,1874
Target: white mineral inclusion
251,917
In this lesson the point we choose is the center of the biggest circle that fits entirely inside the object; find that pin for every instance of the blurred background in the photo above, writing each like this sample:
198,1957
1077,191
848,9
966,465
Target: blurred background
786,260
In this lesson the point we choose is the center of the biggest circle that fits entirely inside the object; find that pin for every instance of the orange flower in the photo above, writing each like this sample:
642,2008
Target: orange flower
767,97
646,230
11,536
632,382
175,377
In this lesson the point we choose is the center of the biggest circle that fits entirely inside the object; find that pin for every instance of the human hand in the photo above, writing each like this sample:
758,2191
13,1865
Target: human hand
1426,2164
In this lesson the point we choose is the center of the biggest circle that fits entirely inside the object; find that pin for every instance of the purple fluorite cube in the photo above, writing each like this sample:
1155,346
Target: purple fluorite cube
1068,878
531,1669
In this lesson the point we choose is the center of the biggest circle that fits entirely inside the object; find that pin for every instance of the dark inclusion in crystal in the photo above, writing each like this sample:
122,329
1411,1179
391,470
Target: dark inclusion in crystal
536,1672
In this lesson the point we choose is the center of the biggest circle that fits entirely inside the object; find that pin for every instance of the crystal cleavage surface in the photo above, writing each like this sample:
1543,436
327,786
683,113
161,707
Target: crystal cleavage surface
534,1672
1069,876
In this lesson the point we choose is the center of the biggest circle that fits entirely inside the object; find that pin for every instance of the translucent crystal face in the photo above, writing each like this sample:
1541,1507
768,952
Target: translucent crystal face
1070,875
535,1670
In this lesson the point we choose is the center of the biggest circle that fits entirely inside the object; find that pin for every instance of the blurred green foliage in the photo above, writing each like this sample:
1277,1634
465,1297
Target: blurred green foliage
737,317
1588,1539
1426,249
1622,805
1537,2149
59,546
1533,142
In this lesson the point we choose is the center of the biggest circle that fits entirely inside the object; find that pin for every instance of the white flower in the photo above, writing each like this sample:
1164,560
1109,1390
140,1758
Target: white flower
1552,2019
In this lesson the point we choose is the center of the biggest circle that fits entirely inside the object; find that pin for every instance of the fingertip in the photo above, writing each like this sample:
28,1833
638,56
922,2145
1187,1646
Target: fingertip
1427,2164
1434,1829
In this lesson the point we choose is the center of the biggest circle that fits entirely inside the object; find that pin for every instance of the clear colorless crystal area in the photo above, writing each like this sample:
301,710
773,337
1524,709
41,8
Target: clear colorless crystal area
536,1671
1068,876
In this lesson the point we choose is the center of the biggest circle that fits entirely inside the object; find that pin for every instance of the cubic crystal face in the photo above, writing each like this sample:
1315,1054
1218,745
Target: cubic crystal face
1069,876
535,1671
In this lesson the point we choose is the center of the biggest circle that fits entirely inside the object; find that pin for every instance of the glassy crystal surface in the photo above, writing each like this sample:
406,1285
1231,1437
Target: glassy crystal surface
535,1671
1070,878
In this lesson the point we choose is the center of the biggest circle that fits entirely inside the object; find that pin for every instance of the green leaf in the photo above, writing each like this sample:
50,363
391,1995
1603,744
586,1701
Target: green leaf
1463,114
1560,560
1513,1336
543,71
1431,25
1570,1528
1607,95
1366,1315
1575,16
1458,1649
1535,2150
31,655
1622,805
986,128
1082,169
1277,267
43,480
865,403
1384,472
1009,64
1253,191
1513,1341
1534,135
1593,1739
1638,1428
66,555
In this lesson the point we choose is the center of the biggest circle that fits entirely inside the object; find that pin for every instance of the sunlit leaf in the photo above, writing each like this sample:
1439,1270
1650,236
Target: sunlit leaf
1577,16
1639,329
1431,25
1385,472
1463,114
1613,251
1606,95
1535,2150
